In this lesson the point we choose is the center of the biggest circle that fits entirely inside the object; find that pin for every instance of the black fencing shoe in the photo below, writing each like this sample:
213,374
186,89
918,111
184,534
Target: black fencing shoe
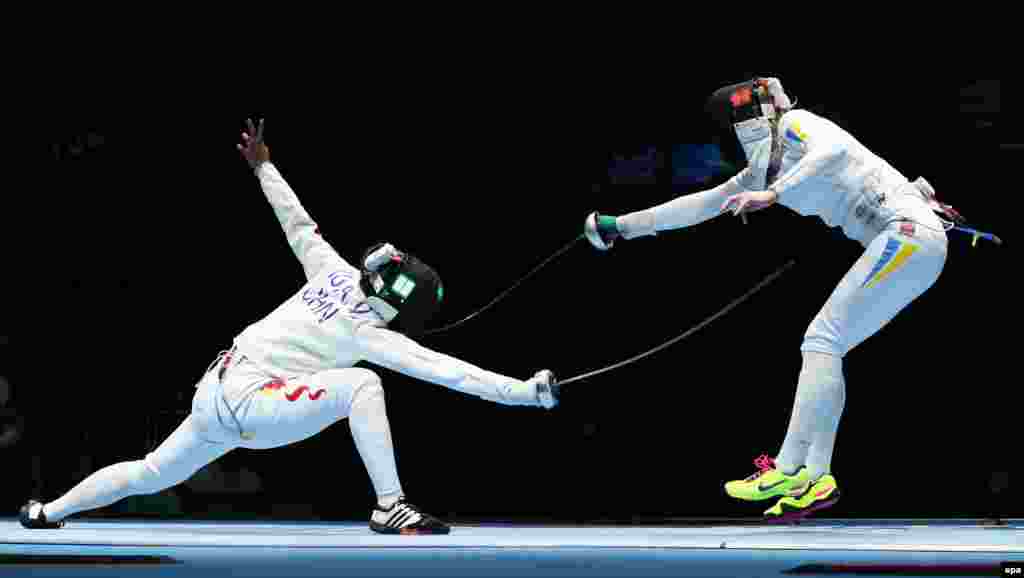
32,517
405,518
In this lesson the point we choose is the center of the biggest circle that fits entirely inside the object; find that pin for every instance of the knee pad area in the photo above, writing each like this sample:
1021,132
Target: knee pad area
821,344
368,386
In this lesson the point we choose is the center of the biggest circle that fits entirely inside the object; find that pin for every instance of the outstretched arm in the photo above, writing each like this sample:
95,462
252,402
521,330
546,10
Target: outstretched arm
688,210
397,352
685,211
303,235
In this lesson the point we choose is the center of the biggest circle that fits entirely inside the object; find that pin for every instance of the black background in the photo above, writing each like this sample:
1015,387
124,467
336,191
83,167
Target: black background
156,247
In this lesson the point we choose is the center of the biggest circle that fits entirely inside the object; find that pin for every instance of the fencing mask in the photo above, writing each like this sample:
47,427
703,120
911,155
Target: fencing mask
750,110
403,290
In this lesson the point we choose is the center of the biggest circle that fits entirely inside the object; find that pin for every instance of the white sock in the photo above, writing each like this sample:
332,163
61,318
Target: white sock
102,488
371,431
389,500
820,399
174,461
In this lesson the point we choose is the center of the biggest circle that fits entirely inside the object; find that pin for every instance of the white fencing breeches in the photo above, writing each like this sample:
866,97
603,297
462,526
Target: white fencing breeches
895,269
276,412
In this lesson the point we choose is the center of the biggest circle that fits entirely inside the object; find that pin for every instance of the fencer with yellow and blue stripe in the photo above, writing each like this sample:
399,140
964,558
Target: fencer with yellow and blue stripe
815,168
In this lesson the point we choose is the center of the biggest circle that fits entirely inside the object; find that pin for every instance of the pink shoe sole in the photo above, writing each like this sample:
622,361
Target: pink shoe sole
796,517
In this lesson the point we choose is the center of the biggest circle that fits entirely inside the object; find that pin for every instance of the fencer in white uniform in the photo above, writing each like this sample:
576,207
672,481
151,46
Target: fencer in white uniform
291,375
814,167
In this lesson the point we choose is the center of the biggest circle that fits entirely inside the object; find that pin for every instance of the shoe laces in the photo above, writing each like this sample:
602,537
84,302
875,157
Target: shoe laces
764,463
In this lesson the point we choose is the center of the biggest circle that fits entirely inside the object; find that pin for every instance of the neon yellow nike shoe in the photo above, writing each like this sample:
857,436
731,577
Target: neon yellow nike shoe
767,483
819,494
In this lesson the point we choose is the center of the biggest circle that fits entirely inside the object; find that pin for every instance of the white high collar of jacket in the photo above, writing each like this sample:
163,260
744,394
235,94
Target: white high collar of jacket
756,137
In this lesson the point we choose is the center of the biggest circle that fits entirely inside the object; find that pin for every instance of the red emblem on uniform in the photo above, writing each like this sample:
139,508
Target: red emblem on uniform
741,97
907,229
294,394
